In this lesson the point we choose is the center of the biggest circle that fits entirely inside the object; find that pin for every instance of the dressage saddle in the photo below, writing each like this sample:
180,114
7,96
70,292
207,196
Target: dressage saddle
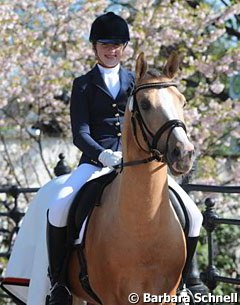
90,195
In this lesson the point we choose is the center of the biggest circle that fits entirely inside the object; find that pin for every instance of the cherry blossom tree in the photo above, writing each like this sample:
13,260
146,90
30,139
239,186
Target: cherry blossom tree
44,45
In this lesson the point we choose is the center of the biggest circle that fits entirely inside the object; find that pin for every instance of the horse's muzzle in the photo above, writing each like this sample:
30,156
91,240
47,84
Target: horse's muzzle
180,159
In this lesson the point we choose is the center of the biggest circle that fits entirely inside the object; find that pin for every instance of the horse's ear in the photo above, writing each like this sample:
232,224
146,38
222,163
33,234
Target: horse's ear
171,68
141,66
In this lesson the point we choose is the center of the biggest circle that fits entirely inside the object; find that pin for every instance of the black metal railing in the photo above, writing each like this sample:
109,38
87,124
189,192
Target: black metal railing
11,208
211,220
210,277
11,214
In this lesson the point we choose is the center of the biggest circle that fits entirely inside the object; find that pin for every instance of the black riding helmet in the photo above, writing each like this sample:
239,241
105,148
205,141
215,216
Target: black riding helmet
109,28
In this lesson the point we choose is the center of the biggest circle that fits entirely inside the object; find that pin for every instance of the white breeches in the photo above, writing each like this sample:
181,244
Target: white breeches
59,207
194,215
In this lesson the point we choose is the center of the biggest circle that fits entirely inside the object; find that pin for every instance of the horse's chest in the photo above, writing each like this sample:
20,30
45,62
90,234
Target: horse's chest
140,259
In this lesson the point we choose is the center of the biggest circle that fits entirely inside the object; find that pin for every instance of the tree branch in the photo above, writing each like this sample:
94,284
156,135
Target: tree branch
9,160
232,32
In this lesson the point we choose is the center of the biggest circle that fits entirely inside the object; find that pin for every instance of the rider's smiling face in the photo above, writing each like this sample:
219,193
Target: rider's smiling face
109,55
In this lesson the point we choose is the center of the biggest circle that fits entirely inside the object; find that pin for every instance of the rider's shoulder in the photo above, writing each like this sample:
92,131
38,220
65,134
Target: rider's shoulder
130,73
82,80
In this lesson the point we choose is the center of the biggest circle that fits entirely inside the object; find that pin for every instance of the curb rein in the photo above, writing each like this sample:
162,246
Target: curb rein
138,118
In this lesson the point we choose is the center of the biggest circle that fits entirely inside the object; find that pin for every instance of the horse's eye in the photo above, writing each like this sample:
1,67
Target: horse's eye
145,104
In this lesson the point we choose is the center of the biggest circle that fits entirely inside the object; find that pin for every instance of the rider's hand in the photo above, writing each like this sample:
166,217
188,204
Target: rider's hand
110,158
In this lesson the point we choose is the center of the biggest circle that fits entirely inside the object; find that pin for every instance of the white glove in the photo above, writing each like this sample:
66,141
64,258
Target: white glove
110,158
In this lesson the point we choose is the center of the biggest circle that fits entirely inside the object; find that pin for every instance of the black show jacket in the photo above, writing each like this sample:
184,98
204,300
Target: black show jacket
96,117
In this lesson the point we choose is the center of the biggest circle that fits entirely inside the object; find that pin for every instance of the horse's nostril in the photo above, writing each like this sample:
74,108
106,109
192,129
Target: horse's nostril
176,152
179,153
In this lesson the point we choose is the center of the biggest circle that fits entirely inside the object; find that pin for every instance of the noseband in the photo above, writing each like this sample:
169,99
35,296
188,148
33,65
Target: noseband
137,118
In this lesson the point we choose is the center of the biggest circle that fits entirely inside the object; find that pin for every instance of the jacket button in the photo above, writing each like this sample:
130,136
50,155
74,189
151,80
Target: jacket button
114,105
117,123
119,134
117,115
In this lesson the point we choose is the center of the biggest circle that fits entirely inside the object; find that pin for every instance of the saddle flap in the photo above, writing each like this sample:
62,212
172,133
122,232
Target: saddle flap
83,203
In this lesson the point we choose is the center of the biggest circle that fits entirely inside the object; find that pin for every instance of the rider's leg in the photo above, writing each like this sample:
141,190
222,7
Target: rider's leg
56,245
57,228
195,223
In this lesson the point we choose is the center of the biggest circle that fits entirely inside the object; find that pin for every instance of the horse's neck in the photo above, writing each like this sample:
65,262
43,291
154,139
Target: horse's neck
143,197
143,189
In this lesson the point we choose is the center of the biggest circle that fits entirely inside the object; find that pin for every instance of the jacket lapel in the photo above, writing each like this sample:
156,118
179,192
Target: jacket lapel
125,82
98,80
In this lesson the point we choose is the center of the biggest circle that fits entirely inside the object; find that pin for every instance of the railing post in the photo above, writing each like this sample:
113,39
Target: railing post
61,168
15,214
209,217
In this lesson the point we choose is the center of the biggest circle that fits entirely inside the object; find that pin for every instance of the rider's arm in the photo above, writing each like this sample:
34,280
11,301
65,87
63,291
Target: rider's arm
80,122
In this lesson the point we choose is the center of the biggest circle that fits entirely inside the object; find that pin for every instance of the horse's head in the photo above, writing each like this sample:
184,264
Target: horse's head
157,116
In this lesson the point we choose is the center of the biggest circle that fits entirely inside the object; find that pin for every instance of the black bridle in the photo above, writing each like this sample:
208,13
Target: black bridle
137,118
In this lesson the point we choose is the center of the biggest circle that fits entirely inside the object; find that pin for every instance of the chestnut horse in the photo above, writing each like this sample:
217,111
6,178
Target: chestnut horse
134,241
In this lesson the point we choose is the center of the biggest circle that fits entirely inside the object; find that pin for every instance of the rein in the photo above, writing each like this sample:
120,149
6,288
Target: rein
137,118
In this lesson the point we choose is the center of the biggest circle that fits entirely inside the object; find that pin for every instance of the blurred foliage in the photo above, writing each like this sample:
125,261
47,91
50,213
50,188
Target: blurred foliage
44,45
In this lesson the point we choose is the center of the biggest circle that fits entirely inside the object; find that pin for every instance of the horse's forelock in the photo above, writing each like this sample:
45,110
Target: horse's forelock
154,73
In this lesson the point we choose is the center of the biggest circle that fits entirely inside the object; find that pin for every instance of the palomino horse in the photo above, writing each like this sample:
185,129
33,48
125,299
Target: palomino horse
134,242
